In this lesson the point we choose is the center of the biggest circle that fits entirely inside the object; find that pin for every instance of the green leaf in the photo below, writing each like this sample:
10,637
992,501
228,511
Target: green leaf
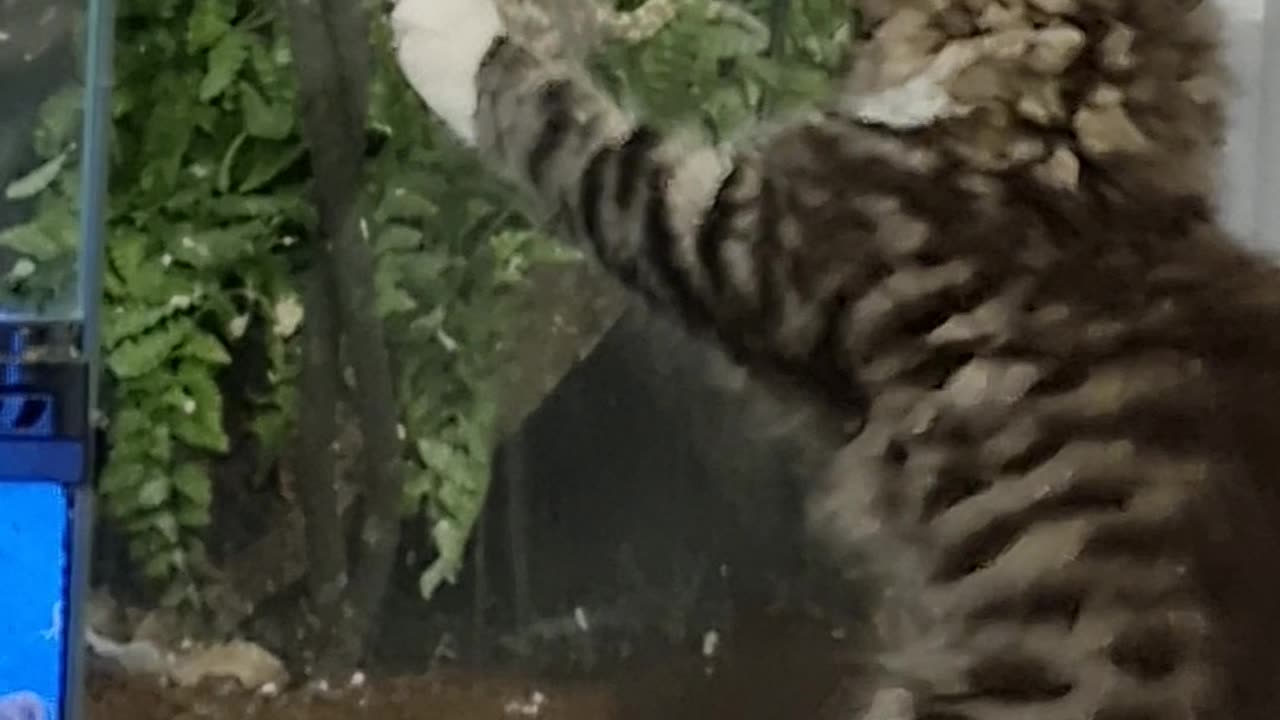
272,64
283,204
32,240
143,354
165,524
443,458
160,449
726,41
419,486
127,251
131,320
389,296
222,247
54,234
210,20
270,428
401,203
224,65
192,482
60,119
205,347
268,164
158,566
193,516
121,477
129,422
450,542
166,138
398,238
147,544
156,282
228,159
36,181
262,119
154,492
199,422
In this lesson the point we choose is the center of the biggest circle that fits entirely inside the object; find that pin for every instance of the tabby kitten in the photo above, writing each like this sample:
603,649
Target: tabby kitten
1069,468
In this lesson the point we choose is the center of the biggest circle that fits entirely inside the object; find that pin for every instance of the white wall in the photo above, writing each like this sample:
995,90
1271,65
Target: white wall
1251,175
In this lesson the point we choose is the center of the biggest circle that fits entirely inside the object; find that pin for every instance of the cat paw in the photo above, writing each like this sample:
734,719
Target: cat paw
439,47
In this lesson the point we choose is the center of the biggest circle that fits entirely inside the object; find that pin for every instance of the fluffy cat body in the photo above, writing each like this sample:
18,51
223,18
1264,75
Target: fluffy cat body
1068,374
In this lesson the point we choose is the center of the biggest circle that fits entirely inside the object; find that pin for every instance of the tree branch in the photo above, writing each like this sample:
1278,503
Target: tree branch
330,40
317,460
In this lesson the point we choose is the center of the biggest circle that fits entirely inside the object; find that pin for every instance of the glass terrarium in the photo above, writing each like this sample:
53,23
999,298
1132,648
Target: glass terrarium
49,206
54,82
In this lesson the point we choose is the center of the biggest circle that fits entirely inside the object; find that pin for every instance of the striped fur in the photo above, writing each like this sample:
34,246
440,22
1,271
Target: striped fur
1067,470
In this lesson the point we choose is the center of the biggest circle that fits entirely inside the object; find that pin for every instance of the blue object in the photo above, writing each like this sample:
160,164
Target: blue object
45,522
34,565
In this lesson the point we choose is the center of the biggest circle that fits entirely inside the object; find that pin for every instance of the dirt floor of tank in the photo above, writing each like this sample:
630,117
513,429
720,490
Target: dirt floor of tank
767,668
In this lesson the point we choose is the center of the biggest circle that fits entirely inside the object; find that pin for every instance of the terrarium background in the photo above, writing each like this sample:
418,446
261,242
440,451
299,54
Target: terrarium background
624,488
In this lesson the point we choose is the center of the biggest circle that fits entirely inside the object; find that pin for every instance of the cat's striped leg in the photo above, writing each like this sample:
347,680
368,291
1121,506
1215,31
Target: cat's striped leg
744,245
651,208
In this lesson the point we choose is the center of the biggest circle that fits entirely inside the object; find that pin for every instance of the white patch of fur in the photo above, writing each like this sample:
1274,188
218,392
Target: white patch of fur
916,104
922,100
694,184
439,46
690,195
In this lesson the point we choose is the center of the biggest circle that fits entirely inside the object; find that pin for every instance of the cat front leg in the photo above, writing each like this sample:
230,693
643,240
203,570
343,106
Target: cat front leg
776,250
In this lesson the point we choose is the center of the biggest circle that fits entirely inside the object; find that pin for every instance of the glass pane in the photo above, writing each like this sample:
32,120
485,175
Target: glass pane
1252,144
1269,140
42,72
